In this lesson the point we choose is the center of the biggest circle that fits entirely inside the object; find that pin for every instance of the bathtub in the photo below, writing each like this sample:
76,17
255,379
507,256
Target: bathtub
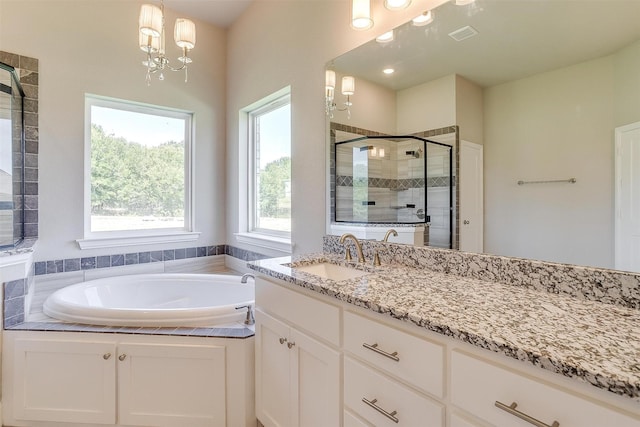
153,300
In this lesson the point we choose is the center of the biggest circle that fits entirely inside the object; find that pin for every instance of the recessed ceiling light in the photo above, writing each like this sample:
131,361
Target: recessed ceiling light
388,71
396,4
385,38
424,19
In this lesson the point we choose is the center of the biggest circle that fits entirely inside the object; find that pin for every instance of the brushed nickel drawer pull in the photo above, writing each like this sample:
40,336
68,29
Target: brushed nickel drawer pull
282,340
390,415
374,347
513,411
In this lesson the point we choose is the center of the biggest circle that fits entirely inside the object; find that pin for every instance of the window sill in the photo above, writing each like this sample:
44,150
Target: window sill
112,242
265,241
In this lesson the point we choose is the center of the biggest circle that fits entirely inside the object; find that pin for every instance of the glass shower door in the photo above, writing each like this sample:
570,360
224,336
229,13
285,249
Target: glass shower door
440,194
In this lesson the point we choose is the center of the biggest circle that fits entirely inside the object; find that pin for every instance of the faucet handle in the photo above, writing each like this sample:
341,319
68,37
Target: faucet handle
376,259
347,254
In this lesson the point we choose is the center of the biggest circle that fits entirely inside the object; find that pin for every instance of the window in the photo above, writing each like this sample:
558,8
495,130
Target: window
137,169
269,148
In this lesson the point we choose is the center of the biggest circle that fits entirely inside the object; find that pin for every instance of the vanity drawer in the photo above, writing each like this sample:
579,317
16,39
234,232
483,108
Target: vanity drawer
351,420
476,385
403,406
418,361
306,313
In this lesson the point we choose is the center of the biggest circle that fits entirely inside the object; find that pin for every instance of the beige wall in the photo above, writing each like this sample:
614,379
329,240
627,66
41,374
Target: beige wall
91,47
555,125
627,85
558,125
469,110
289,42
374,107
430,105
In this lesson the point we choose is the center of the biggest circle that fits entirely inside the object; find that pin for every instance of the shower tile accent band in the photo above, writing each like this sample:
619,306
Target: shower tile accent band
392,184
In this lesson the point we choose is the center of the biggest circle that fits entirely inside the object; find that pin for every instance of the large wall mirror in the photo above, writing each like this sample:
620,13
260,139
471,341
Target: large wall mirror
550,92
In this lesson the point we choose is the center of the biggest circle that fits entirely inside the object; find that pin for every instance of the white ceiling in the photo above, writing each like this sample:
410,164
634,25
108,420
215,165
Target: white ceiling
221,13
517,38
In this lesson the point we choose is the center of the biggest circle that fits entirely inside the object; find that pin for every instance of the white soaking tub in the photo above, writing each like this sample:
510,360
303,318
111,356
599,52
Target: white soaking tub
149,300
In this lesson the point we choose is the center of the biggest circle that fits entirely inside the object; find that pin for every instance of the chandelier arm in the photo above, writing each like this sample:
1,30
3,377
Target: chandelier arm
182,67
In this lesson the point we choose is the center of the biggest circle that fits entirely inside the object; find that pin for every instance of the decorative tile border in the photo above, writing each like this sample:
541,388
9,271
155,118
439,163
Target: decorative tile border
118,260
587,283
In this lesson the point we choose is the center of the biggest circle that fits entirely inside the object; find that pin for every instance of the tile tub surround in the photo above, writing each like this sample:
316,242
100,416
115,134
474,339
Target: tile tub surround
586,340
16,292
586,283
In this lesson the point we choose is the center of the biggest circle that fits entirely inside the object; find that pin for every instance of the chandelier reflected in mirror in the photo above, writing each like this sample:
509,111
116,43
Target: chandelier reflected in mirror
348,89
151,40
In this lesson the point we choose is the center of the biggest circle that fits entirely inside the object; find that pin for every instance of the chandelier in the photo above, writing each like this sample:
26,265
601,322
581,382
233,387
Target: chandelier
152,41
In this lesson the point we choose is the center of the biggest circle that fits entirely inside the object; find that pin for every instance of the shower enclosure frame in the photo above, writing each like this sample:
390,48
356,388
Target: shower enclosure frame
426,197
9,91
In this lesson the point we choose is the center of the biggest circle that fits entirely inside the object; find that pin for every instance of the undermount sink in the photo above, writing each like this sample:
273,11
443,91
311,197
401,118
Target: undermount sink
331,271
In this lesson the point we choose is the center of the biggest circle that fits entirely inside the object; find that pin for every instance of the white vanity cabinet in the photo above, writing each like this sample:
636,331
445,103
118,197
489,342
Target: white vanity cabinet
373,389
59,379
477,384
297,375
397,374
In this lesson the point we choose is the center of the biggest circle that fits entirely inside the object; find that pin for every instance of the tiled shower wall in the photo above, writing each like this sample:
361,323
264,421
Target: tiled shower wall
27,69
428,134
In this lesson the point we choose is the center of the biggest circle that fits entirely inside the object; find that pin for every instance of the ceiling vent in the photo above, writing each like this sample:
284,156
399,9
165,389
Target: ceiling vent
463,33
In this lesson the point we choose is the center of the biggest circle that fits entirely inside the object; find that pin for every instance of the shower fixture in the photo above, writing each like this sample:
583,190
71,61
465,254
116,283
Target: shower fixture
414,153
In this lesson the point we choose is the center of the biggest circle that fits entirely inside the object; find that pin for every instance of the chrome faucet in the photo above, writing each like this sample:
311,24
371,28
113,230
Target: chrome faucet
347,254
250,319
244,277
389,233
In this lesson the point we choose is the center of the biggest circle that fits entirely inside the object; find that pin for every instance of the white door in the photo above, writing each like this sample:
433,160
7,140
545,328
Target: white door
471,197
627,198
153,380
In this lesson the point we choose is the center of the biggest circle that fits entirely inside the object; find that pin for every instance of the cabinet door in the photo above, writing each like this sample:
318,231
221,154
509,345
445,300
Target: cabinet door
65,381
171,385
315,382
273,401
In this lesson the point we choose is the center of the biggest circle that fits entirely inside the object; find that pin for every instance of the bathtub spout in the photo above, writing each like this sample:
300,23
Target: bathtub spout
244,277
250,320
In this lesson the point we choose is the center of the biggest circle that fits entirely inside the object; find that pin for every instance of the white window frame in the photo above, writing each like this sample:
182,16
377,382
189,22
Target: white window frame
248,233
101,239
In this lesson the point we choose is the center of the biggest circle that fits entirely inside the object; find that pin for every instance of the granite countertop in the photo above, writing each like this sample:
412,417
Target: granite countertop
592,341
